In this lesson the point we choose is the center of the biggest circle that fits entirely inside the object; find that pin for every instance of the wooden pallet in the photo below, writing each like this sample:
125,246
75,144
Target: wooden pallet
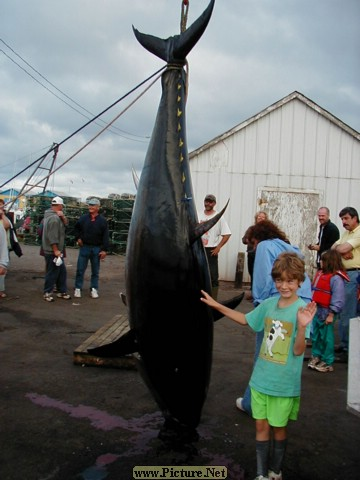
108,333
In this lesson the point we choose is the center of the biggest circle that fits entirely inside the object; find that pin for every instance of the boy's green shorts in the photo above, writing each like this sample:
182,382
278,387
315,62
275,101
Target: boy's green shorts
276,410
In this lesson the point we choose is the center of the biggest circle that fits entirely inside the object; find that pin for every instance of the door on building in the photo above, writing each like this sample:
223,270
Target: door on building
295,212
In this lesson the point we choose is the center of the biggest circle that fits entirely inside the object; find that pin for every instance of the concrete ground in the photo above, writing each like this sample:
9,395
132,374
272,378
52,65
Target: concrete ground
61,421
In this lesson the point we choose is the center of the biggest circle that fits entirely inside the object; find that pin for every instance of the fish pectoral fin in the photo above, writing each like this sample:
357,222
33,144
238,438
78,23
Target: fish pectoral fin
203,227
232,303
124,345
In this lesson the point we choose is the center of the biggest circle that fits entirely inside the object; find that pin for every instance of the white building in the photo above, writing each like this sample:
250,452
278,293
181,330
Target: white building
288,160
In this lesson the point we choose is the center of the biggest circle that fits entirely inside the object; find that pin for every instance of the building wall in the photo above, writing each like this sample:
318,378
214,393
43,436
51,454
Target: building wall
294,149
10,195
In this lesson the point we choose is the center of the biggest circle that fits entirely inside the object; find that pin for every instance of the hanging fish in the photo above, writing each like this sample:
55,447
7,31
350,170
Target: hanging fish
166,265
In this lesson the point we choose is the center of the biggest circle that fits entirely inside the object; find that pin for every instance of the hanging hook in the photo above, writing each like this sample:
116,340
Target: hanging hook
184,14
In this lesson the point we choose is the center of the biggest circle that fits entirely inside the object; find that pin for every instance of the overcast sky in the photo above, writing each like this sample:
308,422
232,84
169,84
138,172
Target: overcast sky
61,63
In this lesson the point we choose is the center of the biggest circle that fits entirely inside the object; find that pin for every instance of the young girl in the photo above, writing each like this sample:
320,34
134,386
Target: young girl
329,295
276,379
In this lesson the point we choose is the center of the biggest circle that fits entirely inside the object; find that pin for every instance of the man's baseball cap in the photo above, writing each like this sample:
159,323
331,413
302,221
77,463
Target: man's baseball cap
211,198
57,201
93,201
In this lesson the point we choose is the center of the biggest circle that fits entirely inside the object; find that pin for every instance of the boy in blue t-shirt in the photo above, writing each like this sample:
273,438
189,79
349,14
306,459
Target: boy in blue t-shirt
276,379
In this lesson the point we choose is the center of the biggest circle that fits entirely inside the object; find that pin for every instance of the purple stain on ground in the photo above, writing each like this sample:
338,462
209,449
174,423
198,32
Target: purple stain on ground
101,420
147,426
106,459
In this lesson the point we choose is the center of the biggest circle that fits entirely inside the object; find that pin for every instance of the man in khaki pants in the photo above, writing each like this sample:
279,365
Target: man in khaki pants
349,247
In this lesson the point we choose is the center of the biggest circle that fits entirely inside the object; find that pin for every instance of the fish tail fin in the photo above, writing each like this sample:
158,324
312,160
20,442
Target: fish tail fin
175,49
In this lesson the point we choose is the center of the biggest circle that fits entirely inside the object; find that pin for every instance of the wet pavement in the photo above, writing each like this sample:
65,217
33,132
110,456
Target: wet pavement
61,421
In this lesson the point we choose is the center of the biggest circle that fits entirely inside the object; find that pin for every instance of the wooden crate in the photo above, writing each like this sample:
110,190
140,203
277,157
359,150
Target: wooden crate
108,333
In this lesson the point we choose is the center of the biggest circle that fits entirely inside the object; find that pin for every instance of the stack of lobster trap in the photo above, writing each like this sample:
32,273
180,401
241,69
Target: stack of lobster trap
117,211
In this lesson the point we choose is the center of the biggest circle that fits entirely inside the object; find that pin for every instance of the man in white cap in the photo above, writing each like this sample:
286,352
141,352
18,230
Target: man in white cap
214,239
53,242
92,236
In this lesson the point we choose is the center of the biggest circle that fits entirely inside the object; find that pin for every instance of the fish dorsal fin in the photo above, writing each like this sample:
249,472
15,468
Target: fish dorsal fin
203,227
175,49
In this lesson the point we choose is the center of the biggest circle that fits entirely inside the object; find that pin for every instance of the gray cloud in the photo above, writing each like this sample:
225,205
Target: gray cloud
252,54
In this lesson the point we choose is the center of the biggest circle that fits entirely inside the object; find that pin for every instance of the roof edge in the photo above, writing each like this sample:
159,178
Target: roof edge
271,108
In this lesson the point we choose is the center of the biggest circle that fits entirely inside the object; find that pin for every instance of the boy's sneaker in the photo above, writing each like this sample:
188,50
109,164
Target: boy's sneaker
65,296
94,293
77,293
239,404
274,476
261,477
322,367
48,297
313,362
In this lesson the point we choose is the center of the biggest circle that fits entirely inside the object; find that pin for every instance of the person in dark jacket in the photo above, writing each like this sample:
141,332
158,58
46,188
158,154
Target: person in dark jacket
328,234
92,236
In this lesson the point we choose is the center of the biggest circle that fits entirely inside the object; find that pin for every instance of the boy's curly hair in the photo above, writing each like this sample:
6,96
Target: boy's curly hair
290,266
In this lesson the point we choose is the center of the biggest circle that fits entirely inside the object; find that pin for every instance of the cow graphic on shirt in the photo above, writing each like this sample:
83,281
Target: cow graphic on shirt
276,331
277,340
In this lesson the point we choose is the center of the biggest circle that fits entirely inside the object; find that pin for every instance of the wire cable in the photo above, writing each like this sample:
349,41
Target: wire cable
56,88
92,139
87,123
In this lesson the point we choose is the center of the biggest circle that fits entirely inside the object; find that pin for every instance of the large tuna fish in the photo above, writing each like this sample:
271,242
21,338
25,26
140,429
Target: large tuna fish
166,265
